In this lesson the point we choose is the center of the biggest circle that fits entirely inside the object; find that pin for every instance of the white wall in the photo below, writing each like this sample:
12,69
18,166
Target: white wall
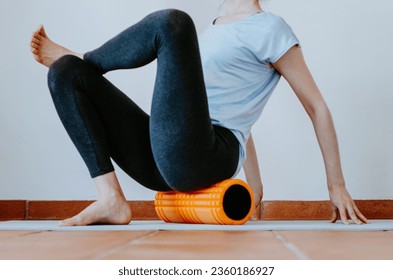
347,45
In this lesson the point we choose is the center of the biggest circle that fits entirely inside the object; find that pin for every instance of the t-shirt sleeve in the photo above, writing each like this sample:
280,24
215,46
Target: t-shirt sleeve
282,39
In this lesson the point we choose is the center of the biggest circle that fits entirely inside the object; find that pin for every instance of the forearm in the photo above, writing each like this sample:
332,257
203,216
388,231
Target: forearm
253,177
293,67
251,168
327,139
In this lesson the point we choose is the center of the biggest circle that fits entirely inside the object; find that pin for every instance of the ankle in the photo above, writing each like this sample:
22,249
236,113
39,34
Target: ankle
111,197
108,187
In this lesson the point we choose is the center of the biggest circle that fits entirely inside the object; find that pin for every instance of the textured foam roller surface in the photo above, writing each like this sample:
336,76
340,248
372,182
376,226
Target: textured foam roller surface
229,202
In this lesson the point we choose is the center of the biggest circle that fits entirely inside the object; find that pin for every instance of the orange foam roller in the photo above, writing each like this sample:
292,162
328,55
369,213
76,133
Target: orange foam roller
229,202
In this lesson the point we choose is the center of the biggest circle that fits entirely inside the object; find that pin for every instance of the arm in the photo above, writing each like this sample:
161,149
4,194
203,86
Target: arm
294,69
253,177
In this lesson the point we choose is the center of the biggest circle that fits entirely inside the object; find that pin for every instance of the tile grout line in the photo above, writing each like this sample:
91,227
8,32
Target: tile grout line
27,233
116,248
27,205
291,247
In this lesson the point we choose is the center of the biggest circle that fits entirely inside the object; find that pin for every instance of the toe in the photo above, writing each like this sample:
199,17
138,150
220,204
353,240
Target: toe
35,51
34,45
36,41
41,31
36,37
66,223
74,221
38,59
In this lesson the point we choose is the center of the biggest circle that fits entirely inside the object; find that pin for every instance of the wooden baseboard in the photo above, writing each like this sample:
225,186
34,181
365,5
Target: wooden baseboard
144,210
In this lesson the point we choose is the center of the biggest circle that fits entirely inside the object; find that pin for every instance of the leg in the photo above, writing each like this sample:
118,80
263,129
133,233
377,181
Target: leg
190,153
110,208
188,150
103,123
44,50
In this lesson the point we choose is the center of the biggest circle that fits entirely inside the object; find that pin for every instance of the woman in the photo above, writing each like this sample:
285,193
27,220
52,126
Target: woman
199,129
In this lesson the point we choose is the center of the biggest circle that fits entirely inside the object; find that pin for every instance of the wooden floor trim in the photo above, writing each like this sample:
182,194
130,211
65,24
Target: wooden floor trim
144,210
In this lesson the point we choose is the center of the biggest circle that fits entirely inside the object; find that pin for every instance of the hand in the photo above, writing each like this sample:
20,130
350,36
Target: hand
342,204
258,210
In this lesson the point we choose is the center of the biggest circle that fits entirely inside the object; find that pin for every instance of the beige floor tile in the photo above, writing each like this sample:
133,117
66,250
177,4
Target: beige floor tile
196,245
14,233
64,245
205,245
336,245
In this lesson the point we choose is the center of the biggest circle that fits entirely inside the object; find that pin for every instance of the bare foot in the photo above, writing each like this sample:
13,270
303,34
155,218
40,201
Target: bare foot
46,51
115,211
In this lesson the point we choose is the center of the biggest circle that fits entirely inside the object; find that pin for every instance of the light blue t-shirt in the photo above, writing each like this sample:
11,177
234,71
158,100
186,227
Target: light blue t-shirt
236,60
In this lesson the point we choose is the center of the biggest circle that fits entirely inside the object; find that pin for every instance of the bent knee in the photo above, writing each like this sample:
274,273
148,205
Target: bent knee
178,19
174,20
62,69
63,65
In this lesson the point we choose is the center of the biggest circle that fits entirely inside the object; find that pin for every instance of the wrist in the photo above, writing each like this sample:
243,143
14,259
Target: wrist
334,184
335,178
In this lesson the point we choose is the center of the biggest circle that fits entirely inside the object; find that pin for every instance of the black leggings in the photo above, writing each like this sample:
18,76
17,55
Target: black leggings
177,147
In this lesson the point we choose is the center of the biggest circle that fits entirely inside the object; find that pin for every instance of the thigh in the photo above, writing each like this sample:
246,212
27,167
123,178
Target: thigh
126,129
128,137
190,152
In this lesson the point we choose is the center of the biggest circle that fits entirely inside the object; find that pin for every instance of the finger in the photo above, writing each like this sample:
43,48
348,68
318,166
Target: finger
258,211
343,216
353,216
256,215
360,215
335,214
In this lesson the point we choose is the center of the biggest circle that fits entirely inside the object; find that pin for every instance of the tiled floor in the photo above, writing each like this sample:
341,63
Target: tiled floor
158,244
147,225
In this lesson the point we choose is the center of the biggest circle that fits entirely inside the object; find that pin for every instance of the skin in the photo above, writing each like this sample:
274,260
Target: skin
111,206
293,68
44,50
253,178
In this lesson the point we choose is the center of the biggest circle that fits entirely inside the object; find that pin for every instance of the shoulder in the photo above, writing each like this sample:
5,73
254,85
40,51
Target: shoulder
272,22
